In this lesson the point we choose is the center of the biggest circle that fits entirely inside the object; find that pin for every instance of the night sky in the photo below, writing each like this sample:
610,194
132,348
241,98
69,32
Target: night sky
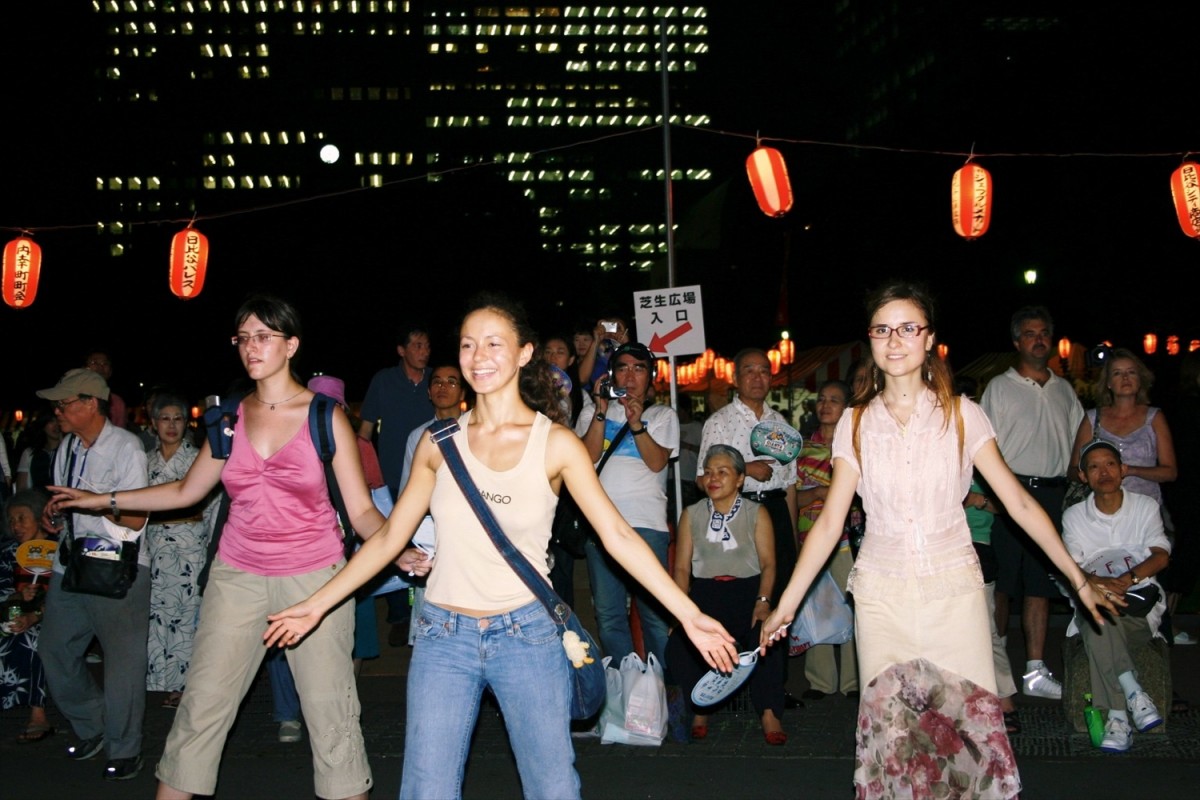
1101,110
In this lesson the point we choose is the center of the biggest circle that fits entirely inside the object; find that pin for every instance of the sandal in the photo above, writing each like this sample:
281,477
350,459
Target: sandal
172,700
36,733
1012,723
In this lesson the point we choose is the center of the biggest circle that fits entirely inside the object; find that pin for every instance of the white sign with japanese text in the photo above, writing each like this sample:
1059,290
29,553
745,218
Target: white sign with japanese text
670,321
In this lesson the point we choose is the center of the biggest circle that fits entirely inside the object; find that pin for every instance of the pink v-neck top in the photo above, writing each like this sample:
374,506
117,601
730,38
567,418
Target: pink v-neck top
281,521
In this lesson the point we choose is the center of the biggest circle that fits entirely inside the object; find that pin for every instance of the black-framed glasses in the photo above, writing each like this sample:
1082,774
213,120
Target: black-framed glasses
905,330
61,405
260,339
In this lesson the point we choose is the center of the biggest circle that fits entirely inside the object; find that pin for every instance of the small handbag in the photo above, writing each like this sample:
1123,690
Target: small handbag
100,576
588,686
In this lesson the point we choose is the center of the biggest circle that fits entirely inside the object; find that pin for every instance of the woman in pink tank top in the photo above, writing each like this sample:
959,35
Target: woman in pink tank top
491,632
280,543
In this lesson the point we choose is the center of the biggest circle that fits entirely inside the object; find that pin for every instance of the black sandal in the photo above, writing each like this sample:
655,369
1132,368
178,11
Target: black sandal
1012,723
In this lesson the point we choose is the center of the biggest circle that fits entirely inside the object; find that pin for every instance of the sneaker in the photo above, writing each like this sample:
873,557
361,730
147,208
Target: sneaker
290,731
86,748
1142,709
123,769
1118,736
1185,638
94,658
1040,683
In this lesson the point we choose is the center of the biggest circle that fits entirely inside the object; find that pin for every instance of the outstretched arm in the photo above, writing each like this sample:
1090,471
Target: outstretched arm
1034,521
567,457
818,544
196,485
289,626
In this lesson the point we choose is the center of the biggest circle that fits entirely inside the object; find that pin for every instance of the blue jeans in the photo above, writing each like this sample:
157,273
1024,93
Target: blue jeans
285,700
611,585
518,656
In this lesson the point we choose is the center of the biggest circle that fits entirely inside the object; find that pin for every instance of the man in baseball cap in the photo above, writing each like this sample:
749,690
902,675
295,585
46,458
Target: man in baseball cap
98,456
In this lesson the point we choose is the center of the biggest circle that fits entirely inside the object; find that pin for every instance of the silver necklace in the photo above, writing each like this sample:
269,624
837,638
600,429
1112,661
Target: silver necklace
277,402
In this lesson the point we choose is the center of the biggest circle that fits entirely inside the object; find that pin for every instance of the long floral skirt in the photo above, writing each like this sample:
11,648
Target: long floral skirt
929,720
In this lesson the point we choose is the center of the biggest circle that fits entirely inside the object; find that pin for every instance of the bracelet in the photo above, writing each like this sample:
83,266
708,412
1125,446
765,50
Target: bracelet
1079,588
639,431
762,598
112,502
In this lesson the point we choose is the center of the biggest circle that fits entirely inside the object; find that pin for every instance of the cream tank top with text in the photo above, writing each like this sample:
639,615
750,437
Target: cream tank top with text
469,571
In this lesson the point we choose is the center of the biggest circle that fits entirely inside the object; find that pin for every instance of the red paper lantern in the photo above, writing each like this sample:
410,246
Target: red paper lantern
1149,343
971,201
1185,190
22,269
769,179
189,262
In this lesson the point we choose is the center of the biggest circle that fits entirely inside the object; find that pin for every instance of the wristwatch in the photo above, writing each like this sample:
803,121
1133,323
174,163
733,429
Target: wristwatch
600,416
1134,577
639,431
762,598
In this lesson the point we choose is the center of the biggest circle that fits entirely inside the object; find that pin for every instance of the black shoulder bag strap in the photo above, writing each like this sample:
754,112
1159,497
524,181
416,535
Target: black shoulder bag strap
442,432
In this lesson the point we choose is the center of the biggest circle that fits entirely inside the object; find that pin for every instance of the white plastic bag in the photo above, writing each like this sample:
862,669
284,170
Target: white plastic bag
824,617
645,694
622,684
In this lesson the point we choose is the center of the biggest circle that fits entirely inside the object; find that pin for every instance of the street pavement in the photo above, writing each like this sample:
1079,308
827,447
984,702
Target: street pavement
733,762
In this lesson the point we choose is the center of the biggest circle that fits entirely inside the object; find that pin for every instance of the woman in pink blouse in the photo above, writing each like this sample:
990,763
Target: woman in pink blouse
281,541
929,705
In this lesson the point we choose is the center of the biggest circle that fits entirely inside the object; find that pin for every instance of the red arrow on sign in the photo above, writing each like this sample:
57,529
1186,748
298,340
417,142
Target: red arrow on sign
658,344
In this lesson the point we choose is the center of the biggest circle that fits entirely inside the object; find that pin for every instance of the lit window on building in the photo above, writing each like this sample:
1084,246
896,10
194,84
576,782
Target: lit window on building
434,47
642,247
546,47
481,47
246,137
609,230
135,184
524,121
337,93
585,248
516,30
285,182
605,30
116,249
356,93
375,181
547,212
550,175
247,182
581,175
227,182
577,12
518,102
115,183
552,230
637,66
244,72
487,11
516,11
608,66
521,176
264,181
579,66
606,12
487,30
699,175
549,121
580,120
577,30
636,30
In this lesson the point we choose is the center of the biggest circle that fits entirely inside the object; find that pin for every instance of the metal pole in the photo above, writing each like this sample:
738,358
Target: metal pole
670,211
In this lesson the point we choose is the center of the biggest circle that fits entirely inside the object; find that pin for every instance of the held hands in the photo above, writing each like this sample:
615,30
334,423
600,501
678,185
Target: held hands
289,626
713,642
415,562
774,628
1095,596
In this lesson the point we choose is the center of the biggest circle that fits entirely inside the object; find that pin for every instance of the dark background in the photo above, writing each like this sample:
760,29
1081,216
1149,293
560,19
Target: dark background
1080,115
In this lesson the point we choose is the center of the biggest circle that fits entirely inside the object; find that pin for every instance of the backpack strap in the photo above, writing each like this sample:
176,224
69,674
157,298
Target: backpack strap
320,429
219,422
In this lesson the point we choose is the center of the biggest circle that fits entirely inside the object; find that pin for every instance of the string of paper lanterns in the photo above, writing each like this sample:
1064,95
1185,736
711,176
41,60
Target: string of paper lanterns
970,207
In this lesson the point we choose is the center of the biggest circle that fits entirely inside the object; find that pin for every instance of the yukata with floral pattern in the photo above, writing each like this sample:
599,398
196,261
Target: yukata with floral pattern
178,542
929,721
22,680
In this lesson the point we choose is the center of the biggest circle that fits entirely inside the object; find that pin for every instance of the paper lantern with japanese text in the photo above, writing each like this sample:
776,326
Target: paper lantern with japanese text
189,262
769,179
971,201
22,269
1185,191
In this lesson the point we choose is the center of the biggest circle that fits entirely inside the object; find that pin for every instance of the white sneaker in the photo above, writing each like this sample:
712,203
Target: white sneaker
1142,709
1185,638
290,731
1040,683
1118,736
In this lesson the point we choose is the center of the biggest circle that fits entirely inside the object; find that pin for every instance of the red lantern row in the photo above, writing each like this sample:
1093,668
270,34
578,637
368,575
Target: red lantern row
23,267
